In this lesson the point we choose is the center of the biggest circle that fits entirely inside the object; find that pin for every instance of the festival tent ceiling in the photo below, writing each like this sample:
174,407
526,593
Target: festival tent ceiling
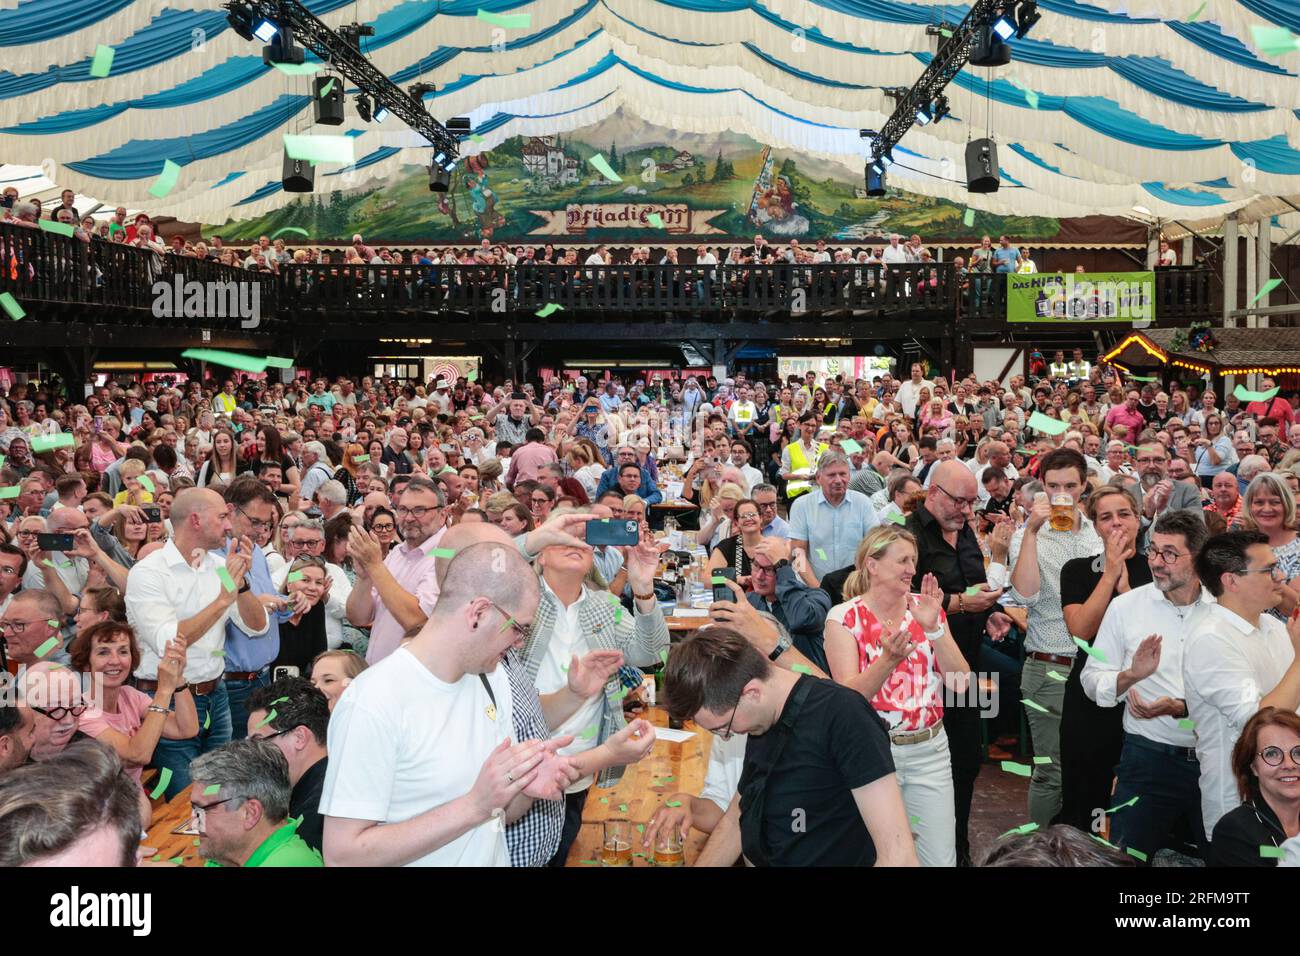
1148,108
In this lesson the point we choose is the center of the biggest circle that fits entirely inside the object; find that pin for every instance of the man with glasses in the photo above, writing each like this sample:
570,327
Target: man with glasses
765,496
297,724
248,657
184,591
393,596
1157,492
306,537
623,455
240,806
818,785
1237,659
1141,643
30,629
53,692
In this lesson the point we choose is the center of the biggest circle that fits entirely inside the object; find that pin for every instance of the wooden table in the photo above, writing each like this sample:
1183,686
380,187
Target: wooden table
645,785
166,818
675,506
684,625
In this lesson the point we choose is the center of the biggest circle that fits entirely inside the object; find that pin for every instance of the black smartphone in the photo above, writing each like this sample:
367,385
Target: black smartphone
55,542
616,531
152,514
285,670
720,591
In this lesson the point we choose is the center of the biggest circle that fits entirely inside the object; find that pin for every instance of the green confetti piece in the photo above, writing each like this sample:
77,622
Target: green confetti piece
663,656
604,800
509,21
1032,99
1197,12
1057,676
1246,395
801,669
1019,769
655,220
52,623
103,61
1127,803
178,860
327,89
244,363
275,361
1186,724
11,306
850,447
212,790
444,553
293,576
197,841
1271,852
510,622
822,554
299,69
279,700
945,32
320,149
913,821
207,720
1265,289
974,589
897,518
1103,842
1089,649
166,180
1136,854
227,581
673,803
547,309
667,780
146,483
622,808
1144,378
1042,761
217,653
1048,426
50,442
1275,41
475,138
618,694
48,563
602,167
618,615
164,778
969,218
565,668
276,235
48,646
1020,830
719,580
1034,706
640,828
157,858
472,377
58,228
589,733
361,459
267,719
588,863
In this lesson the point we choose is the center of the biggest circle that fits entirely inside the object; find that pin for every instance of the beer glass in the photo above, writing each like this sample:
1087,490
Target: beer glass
617,848
1062,513
668,848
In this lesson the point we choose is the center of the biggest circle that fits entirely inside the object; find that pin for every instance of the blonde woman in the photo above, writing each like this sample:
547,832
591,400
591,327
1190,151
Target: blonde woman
894,648
1269,507
333,671
715,520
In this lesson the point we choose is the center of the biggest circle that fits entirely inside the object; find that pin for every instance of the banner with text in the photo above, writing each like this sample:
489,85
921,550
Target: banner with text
1081,297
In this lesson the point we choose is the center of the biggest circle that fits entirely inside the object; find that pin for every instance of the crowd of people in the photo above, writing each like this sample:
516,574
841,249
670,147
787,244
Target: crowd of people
357,621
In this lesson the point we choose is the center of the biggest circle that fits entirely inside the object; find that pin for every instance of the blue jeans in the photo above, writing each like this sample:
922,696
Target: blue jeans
1170,805
177,754
237,692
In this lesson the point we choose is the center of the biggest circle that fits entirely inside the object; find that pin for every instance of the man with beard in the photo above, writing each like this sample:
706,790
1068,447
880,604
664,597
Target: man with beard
1158,493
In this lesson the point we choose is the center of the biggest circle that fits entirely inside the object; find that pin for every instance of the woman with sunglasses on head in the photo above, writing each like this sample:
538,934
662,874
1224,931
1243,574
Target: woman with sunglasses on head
894,647
304,593
1266,762
129,720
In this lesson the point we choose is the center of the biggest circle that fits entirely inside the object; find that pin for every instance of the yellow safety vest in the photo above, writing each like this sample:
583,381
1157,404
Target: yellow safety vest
799,462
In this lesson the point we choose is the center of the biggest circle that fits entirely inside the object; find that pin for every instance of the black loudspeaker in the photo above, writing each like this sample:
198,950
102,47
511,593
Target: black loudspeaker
875,181
982,166
299,175
329,106
989,50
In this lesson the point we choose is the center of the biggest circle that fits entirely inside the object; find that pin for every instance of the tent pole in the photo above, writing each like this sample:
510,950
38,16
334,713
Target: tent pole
1264,266
1229,285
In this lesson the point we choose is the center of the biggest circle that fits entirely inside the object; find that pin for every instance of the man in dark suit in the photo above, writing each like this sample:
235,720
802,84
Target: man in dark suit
1157,493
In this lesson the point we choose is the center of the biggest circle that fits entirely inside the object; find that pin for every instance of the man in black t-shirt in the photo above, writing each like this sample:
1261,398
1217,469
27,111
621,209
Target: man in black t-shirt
818,785
294,715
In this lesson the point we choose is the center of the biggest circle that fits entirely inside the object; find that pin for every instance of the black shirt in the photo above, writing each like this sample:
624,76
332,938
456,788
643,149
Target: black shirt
810,818
1241,832
833,584
956,569
301,642
1080,576
304,802
399,461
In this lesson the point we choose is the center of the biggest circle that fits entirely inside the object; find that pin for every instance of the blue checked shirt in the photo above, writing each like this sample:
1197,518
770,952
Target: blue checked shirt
532,839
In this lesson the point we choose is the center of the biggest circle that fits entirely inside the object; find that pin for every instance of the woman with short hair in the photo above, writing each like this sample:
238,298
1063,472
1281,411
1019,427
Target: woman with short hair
1266,762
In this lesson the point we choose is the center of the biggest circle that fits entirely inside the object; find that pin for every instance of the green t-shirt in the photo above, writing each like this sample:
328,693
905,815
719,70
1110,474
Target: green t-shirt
282,848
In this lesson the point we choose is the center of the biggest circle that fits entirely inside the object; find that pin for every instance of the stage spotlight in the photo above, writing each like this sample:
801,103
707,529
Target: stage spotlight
1027,16
363,107
941,108
875,180
439,179
418,91
266,31
924,116
1004,29
280,48
886,160
459,124
381,112
240,18
353,32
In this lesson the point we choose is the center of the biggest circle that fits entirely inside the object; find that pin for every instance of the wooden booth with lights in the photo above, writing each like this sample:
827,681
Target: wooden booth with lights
1221,354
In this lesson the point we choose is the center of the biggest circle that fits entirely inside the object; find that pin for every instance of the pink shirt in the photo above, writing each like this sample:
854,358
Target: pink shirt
525,462
1120,415
416,571
132,705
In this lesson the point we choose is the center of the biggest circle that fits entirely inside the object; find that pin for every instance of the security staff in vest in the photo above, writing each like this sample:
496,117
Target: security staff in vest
799,459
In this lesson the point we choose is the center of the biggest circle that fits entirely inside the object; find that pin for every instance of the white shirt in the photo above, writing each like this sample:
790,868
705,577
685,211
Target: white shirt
742,413
1130,618
722,778
567,642
908,393
336,606
402,742
1228,666
894,253
71,571
1010,470
162,590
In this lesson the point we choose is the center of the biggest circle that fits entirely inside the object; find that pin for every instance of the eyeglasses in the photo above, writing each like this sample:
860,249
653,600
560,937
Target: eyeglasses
1166,555
725,732
1273,755
959,502
525,631
58,713
199,813
404,512
257,523
19,627
383,527
543,500
766,507
1274,570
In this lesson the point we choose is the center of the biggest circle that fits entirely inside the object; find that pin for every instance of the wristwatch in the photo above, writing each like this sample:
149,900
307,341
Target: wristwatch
783,644
783,563
246,588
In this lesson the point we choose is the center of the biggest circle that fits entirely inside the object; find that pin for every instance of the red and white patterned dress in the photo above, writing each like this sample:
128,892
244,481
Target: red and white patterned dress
911,698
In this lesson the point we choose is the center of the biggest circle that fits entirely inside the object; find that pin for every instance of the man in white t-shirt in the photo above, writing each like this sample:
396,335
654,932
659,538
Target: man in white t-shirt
422,768
910,391
894,252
